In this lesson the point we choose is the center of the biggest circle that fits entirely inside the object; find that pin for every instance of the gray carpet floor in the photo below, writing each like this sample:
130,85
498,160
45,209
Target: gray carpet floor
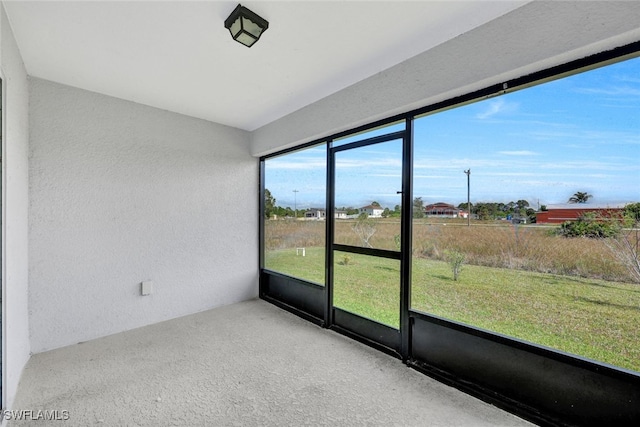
246,364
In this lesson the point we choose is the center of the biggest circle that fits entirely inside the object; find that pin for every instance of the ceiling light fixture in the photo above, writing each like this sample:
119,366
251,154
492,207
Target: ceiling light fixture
245,26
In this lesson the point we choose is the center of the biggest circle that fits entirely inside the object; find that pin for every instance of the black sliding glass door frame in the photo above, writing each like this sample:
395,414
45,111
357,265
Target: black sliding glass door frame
382,336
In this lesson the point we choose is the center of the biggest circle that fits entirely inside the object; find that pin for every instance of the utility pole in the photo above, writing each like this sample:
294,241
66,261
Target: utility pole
295,203
468,172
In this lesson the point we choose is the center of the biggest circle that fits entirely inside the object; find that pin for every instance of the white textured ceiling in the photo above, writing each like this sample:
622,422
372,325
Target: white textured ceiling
177,55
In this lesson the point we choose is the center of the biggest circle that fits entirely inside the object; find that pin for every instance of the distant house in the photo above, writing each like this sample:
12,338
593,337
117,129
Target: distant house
315,214
557,214
322,214
372,211
444,210
340,214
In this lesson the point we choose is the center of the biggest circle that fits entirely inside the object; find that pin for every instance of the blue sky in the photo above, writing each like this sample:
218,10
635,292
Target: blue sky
541,144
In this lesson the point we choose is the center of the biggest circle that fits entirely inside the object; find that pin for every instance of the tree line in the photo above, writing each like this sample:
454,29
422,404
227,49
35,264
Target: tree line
481,210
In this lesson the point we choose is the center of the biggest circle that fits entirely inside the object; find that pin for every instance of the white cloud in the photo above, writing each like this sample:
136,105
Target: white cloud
586,165
364,163
612,91
592,136
296,165
385,175
518,153
496,107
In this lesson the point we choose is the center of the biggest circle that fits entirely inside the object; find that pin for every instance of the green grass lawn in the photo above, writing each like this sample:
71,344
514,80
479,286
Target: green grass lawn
368,286
309,267
592,318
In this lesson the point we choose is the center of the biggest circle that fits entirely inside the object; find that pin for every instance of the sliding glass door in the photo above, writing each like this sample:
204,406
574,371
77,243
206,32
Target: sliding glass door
366,244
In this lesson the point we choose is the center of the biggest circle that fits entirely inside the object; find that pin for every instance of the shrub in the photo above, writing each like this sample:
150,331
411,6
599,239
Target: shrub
345,260
364,228
626,249
455,259
632,213
590,226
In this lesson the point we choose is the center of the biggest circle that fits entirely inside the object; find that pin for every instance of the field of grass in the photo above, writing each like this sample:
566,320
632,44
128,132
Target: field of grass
368,286
489,244
589,317
593,318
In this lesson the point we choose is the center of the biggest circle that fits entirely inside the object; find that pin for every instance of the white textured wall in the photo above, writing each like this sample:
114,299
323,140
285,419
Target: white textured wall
15,203
536,36
121,193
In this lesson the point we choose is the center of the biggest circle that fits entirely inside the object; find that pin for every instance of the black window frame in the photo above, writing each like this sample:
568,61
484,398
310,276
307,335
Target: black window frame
622,384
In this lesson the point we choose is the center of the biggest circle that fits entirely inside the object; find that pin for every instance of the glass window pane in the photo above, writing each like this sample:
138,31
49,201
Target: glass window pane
294,224
383,130
567,151
367,181
368,286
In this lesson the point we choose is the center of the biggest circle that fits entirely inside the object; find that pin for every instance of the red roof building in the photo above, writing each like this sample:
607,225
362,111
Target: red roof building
446,210
557,214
